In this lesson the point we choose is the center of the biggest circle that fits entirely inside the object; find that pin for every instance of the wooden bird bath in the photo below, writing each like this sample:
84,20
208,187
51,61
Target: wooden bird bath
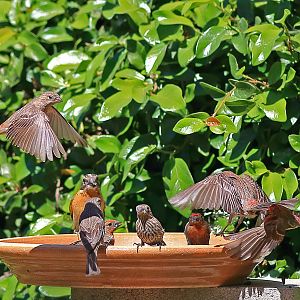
50,260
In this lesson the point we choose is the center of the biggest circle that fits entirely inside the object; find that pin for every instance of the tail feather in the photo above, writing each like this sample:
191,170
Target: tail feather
252,244
91,264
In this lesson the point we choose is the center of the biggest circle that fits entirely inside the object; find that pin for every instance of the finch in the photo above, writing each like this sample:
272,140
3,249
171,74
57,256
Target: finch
110,227
235,194
258,242
37,127
197,231
91,232
148,228
89,189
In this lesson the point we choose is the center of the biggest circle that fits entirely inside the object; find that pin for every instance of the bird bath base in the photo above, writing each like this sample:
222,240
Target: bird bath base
51,260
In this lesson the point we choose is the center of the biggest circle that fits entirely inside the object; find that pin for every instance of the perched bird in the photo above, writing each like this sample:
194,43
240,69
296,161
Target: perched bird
148,228
235,194
110,227
258,242
89,189
91,232
37,127
197,231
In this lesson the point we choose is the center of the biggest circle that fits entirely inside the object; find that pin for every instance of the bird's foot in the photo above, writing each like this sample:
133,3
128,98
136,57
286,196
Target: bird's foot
160,244
76,243
138,245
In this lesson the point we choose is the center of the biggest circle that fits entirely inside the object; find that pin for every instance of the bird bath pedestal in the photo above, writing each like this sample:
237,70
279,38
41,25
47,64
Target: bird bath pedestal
51,260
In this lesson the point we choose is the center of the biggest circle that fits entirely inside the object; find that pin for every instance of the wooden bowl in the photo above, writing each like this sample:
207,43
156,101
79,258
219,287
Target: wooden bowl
50,260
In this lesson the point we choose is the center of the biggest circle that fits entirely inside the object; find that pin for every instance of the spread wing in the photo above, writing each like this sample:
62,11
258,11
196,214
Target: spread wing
32,132
288,204
214,192
62,128
253,244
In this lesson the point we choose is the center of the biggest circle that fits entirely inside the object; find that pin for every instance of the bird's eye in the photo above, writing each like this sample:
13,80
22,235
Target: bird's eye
109,224
50,97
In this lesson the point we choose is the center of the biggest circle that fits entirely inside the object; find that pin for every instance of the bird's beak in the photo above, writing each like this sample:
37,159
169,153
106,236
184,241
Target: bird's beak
58,99
117,224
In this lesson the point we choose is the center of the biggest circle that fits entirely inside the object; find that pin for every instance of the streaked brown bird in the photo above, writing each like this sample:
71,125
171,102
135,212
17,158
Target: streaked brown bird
258,242
235,194
110,227
148,228
91,232
89,189
37,127
197,231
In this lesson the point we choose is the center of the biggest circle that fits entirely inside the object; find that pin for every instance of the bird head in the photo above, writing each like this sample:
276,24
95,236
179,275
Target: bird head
143,211
50,98
195,218
89,181
112,225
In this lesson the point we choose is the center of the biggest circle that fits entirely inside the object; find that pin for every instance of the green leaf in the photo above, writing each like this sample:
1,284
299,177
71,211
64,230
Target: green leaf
107,143
177,177
154,57
234,68
187,54
5,34
55,291
81,21
294,140
67,60
210,41
46,11
130,74
290,183
272,184
276,71
244,89
111,67
212,90
169,98
33,189
263,44
35,52
275,112
49,78
113,105
11,287
55,35
226,125
167,17
256,167
188,125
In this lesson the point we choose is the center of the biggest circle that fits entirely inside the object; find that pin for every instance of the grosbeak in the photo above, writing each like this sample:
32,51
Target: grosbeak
148,228
197,231
235,194
89,189
37,127
91,232
110,227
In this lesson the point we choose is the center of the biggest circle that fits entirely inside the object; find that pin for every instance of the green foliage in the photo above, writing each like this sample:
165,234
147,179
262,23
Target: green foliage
164,92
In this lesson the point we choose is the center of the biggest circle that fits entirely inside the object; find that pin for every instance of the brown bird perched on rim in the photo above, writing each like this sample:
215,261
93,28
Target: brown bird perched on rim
148,228
197,231
89,189
256,243
235,194
91,232
110,227
37,127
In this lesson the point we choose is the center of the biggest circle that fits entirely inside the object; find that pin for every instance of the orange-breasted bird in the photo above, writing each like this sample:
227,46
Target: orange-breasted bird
148,228
110,227
89,189
197,231
258,242
235,194
91,232
37,127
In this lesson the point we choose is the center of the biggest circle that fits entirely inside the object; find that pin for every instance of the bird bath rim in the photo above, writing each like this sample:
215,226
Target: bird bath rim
51,260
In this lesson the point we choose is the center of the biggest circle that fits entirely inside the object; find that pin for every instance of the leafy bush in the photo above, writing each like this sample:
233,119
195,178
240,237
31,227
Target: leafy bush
165,93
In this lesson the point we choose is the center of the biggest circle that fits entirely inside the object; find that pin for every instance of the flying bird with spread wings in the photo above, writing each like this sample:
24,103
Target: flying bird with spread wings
37,127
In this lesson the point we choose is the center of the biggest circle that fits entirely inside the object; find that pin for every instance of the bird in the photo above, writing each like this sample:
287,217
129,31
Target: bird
197,230
256,243
89,189
235,194
91,232
148,228
110,227
37,127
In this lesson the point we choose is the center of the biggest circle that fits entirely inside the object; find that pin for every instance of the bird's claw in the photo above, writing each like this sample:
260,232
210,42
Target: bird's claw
76,243
137,246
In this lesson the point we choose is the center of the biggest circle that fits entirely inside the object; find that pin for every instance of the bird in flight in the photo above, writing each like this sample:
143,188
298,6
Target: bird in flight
37,127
